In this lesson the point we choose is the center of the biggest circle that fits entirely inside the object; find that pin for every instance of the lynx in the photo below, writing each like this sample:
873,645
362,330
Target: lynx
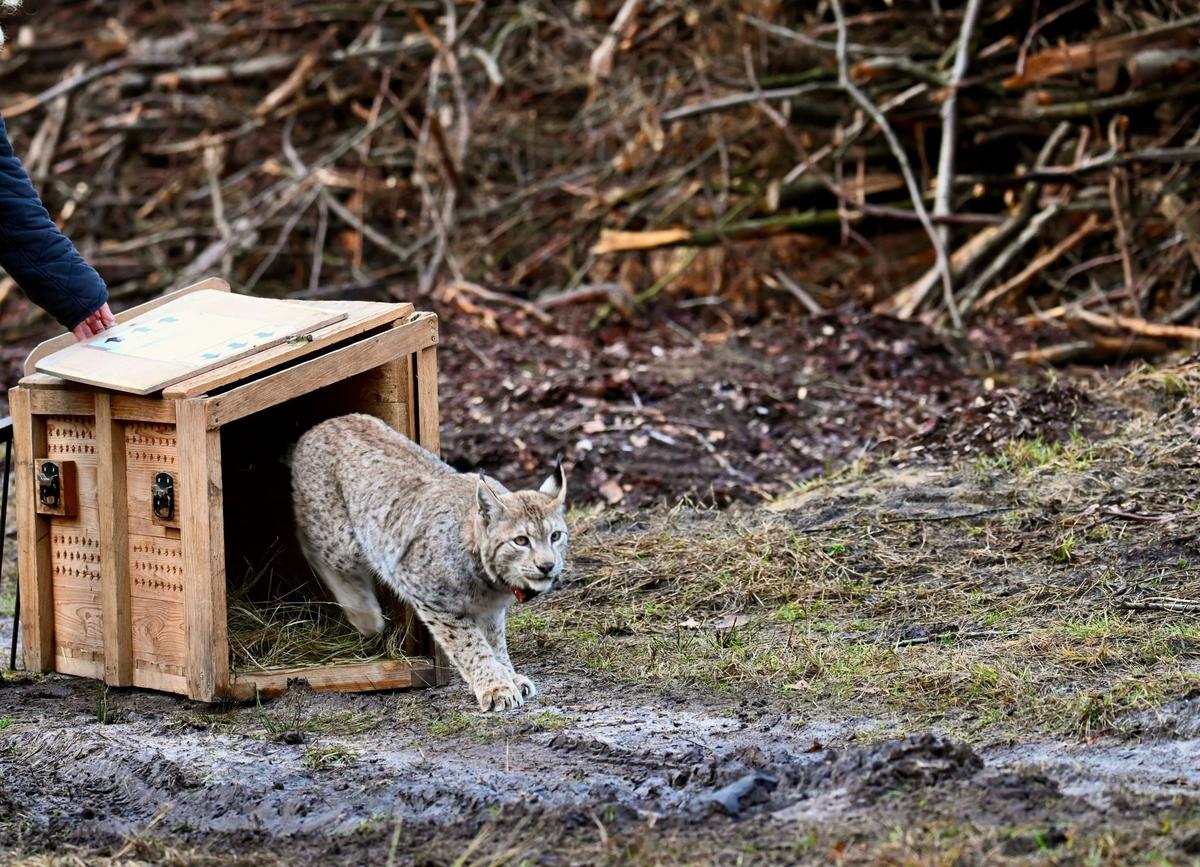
371,505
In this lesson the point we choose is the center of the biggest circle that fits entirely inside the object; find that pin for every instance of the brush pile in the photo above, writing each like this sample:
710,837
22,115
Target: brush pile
1027,160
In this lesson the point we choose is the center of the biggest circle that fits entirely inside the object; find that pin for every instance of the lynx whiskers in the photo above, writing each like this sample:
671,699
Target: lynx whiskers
371,505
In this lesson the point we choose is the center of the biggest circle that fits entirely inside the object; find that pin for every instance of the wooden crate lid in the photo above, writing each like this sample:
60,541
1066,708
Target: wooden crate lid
217,338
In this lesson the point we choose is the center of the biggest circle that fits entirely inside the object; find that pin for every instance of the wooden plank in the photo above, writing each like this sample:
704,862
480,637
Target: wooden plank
78,613
382,392
80,664
129,408
148,675
428,429
361,316
276,388
57,400
112,496
193,334
428,419
350,677
62,402
157,611
62,341
407,387
159,633
203,537
33,537
43,380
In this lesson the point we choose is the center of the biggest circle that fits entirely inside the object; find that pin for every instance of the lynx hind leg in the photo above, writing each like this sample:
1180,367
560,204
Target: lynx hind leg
333,556
354,589
323,527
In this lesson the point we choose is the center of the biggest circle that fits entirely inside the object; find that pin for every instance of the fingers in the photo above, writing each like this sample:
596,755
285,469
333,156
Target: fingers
94,324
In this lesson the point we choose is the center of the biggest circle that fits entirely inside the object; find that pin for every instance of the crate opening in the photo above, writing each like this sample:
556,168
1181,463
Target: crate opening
279,614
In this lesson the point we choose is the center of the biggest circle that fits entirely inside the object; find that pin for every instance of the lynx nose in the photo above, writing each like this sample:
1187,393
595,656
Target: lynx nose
546,568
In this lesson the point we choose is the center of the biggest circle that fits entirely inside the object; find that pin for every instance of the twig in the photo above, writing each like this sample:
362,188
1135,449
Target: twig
975,288
1156,330
1096,349
736,100
808,41
615,294
600,67
949,144
497,298
798,292
1090,225
983,246
213,162
943,262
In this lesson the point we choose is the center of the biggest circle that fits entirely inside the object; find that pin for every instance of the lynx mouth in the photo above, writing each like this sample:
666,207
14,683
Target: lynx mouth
524,594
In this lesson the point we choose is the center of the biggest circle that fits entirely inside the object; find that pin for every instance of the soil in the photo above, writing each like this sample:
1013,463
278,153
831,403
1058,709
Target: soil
607,768
570,779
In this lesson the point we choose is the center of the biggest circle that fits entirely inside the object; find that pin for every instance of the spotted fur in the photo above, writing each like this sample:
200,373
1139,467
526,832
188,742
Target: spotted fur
371,505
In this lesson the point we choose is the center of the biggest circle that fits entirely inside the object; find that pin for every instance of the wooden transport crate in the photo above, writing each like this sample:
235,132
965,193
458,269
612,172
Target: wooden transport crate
125,539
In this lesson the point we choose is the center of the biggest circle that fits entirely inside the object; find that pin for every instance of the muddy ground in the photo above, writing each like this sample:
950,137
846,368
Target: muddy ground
841,592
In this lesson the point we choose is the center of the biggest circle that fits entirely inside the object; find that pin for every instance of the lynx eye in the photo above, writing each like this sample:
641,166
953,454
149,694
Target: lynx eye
521,541
555,536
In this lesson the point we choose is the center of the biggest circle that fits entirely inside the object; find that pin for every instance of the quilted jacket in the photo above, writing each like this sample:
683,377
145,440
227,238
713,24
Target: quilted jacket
36,254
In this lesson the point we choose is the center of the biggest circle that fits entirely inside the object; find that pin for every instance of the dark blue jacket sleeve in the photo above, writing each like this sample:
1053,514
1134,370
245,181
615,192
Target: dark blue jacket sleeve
36,254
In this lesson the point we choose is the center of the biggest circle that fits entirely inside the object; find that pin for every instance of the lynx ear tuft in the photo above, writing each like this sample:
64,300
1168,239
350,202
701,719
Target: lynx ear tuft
555,485
490,506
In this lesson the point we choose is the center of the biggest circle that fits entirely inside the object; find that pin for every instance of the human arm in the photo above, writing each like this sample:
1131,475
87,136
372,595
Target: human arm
41,259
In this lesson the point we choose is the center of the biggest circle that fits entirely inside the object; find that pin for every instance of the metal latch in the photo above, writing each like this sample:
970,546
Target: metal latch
49,485
162,497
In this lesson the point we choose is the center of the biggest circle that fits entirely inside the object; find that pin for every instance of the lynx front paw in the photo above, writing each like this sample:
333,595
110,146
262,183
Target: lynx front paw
500,696
528,690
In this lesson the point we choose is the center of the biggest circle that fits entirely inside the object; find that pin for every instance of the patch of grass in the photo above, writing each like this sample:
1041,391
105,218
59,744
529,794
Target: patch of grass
1007,640
5,722
1025,457
328,756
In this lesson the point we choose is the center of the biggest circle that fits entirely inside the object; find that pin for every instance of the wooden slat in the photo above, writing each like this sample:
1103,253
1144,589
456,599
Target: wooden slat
203,537
43,380
315,373
33,538
428,420
428,428
74,400
61,402
114,544
150,676
54,344
129,408
361,316
350,677
215,318
80,664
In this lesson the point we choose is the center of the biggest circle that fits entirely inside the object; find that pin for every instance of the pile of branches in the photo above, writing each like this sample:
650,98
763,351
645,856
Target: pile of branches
1027,160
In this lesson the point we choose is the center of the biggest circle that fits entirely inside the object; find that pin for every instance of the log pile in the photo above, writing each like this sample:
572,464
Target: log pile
1024,162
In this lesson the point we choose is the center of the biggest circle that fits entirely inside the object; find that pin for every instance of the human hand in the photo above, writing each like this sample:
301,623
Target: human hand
94,324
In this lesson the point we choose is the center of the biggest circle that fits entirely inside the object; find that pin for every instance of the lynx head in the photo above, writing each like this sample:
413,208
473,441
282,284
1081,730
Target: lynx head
524,534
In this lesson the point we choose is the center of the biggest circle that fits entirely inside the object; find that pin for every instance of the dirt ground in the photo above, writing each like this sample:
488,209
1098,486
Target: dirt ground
840,593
